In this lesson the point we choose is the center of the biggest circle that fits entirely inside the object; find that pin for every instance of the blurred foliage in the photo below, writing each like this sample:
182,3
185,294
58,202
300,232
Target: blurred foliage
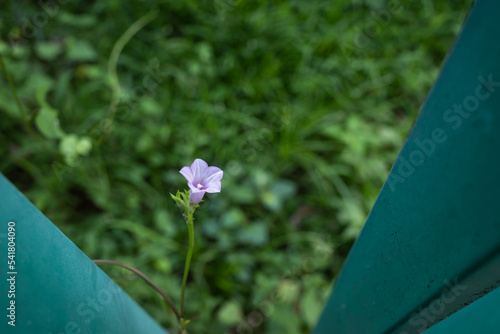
303,104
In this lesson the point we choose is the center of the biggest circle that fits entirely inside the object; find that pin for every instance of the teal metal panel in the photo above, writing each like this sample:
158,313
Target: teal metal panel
431,242
57,288
482,316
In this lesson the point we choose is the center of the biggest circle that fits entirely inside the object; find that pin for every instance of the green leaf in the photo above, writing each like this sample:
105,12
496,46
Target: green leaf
255,234
288,290
284,188
4,48
83,146
36,82
178,201
8,105
164,223
151,107
274,198
211,227
162,265
68,143
233,218
48,124
311,307
284,320
80,50
47,50
79,20
243,194
271,201
230,313
71,146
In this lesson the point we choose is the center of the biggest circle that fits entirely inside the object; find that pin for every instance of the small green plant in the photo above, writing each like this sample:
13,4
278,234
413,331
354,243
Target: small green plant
201,179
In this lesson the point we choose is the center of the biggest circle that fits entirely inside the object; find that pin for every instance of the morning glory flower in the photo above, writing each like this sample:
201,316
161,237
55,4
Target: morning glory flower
202,179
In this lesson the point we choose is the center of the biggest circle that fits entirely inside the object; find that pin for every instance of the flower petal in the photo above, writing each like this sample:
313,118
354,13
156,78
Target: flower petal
187,173
213,178
214,187
198,168
192,187
196,197
211,171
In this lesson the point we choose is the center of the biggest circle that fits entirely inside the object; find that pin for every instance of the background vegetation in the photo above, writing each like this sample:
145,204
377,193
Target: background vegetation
303,104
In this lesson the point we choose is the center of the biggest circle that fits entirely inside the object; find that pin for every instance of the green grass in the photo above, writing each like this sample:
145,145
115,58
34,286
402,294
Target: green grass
304,105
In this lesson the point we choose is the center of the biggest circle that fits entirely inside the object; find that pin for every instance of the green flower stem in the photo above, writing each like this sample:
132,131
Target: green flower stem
113,62
188,258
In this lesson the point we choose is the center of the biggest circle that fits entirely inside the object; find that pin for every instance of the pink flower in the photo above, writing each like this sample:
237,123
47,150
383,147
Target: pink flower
202,179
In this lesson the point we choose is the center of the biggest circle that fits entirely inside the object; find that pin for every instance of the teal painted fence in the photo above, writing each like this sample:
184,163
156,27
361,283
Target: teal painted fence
482,316
431,243
56,288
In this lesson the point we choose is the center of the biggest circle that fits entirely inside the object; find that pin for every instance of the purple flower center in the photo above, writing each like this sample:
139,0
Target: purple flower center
199,186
